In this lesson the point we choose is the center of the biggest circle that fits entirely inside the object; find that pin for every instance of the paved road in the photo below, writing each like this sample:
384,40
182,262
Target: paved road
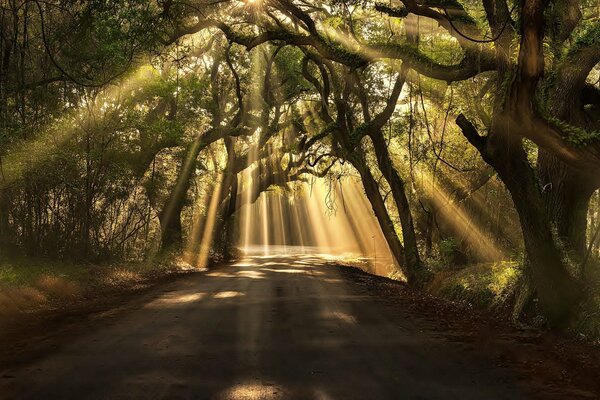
281,327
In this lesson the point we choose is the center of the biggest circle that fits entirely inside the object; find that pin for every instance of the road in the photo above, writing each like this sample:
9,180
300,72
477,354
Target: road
279,327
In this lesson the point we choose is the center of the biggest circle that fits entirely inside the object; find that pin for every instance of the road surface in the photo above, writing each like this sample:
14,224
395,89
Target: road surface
279,327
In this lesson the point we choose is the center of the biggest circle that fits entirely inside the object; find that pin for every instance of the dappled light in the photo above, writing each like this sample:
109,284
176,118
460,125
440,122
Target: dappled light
252,391
227,295
464,225
183,298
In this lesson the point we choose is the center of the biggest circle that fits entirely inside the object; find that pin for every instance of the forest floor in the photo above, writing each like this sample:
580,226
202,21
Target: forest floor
285,327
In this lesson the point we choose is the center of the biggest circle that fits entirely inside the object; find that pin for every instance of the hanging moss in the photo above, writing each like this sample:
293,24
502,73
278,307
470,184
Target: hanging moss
408,51
464,18
341,53
398,12
574,135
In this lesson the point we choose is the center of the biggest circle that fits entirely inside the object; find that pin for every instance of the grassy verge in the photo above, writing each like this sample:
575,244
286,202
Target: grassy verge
491,287
29,285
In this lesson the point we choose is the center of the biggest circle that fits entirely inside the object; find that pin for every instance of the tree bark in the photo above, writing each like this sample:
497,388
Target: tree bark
385,222
170,228
567,195
558,292
412,259
170,215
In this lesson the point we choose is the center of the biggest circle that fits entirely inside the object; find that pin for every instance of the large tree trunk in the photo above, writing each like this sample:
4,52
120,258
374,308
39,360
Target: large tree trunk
385,222
170,226
558,292
227,226
411,250
515,114
567,195
170,215
223,228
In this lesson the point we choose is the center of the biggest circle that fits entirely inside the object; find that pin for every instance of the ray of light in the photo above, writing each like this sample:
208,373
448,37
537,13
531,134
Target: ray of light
193,240
282,223
246,214
209,224
264,217
366,228
297,227
26,156
462,222
342,231
316,221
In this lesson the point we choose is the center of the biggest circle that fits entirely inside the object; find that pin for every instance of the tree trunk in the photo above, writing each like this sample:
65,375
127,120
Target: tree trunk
411,250
558,292
4,222
385,222
567,195
170,215
223,228
170,226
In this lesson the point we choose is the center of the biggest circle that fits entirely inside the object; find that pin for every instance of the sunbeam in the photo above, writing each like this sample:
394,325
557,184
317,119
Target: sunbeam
345,229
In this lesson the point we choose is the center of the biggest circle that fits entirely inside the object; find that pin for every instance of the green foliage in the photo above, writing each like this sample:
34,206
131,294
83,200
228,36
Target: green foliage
487,286
334,22
289,66
105,37
589,37
575,135
447,247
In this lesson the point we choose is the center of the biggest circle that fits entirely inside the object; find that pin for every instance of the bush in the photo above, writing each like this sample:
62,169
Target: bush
487,285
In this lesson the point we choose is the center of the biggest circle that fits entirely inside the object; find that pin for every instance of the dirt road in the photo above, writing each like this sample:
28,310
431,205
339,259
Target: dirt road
281,327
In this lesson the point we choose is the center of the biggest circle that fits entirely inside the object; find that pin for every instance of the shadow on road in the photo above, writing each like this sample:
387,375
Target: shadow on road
265,327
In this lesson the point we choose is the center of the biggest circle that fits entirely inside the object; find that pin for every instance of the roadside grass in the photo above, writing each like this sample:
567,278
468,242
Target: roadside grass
20,271
30,284
492,286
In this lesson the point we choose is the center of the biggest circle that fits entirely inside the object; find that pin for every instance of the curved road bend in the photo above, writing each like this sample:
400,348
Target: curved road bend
281,327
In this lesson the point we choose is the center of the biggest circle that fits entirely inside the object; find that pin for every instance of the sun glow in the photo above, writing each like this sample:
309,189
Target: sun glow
307,222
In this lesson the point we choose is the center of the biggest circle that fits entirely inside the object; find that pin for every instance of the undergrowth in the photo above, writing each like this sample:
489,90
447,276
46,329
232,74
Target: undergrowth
29,284
486,285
